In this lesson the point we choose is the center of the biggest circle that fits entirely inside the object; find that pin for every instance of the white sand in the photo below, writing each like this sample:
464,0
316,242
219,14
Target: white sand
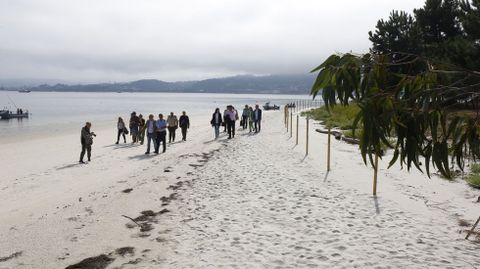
252,202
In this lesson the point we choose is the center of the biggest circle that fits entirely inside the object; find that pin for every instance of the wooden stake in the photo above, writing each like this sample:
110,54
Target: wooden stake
473,228
306,146
375,176
328,150
286,118
291,124
296,143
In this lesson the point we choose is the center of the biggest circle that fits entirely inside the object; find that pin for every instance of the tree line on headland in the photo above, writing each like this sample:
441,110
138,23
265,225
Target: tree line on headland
281,84
419,84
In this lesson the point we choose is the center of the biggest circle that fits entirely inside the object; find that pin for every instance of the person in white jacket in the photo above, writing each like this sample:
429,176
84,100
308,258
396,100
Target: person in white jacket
172,125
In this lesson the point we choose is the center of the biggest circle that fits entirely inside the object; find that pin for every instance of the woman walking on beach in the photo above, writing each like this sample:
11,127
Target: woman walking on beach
216,121
172,123
134,124
121,130
184,122
250,119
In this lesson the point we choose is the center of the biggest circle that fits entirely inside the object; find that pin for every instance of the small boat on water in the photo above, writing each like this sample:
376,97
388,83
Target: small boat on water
7,114
267,106
24,91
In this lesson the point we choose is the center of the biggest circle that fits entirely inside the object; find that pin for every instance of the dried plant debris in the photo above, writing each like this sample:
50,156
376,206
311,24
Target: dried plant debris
12,256
97,262
124,251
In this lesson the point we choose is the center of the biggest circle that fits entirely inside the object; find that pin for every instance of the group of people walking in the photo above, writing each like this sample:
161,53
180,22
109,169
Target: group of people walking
250,118
155,130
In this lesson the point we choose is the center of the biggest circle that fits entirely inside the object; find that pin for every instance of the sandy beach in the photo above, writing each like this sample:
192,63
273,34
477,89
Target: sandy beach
255,201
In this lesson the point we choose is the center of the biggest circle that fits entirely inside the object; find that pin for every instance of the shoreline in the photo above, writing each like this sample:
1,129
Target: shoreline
209,202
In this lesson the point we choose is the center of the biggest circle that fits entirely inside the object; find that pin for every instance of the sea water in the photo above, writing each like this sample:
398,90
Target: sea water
54,111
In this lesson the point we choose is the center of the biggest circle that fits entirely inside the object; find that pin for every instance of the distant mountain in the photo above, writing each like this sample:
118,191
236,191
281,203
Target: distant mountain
278,84
26,82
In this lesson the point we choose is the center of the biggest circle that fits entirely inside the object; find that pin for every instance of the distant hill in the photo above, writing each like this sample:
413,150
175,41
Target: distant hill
278,84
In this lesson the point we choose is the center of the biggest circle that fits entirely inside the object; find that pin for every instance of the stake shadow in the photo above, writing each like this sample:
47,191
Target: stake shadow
326,176
377,207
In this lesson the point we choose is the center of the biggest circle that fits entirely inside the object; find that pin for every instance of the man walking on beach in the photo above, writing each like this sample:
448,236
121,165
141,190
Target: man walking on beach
184,122
225,120
150,127
161,133
86,138
257,118
172,123
134,123
141,127
231,117
245,117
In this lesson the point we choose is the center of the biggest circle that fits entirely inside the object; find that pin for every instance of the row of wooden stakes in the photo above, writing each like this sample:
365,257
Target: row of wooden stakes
288,121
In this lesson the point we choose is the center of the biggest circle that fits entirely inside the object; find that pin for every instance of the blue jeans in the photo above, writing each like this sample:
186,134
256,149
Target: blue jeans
217,131
150,137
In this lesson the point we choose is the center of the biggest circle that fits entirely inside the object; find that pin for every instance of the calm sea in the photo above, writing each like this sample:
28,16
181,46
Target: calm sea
55,110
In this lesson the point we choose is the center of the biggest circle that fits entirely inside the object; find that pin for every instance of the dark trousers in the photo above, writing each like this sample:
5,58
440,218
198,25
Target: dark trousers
121,133
171,134
244,122
258,126
184,133
231,128
88,149
161,137
151,138
141,134
134,133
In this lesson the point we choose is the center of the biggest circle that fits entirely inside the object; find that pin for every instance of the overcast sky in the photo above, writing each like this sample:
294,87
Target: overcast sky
121,40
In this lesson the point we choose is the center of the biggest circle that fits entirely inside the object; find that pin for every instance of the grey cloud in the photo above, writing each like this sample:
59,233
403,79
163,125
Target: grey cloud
89,40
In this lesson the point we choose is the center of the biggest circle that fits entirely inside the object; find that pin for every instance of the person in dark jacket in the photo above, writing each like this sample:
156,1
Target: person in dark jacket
245,117
225,120
216,121
134,125
257,118
150,129
86,138
231,117
141,129
184,123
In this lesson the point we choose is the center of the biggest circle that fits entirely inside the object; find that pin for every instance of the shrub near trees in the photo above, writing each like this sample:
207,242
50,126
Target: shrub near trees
417,85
